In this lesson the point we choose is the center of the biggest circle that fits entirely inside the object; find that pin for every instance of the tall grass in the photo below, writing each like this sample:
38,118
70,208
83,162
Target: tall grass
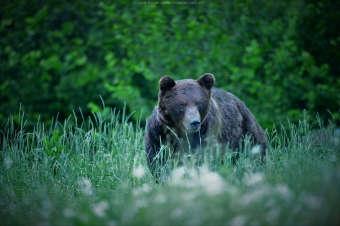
94,171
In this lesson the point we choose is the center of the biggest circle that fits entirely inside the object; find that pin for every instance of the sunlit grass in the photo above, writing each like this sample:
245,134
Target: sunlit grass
94,172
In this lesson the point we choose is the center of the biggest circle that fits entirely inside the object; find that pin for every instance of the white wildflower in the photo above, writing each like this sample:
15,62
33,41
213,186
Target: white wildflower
100,208
138,172
253,179
145,188
85,186
255,196
140,203
160,198
177,176
284,191
212,182
256,150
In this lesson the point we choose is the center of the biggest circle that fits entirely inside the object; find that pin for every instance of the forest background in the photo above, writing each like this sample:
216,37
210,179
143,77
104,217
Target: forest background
60,58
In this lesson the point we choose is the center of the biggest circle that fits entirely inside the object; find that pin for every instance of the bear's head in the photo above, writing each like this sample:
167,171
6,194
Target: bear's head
184,104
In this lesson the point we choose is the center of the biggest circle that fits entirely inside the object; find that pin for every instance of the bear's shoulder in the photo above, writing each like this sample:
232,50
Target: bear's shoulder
220,95
154,126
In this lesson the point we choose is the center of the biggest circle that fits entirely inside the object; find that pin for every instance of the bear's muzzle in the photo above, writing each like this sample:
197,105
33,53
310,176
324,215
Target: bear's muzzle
195,124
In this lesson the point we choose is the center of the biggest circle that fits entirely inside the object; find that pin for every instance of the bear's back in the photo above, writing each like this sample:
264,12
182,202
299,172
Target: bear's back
225,100
235,116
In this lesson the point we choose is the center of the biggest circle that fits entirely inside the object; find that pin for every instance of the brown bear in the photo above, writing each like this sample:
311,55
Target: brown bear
192,114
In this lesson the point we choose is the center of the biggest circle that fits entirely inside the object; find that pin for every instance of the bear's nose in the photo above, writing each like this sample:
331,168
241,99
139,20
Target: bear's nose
195,124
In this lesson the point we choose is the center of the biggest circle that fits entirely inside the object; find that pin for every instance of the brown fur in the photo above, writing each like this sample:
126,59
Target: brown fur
193,113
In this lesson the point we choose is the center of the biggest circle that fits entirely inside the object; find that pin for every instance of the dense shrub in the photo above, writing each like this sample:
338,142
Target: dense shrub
280,57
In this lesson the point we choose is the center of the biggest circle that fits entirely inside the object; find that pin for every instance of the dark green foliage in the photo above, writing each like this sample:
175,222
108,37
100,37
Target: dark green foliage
279,57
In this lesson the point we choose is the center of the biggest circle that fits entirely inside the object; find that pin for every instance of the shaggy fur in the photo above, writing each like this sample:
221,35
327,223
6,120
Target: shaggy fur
193,113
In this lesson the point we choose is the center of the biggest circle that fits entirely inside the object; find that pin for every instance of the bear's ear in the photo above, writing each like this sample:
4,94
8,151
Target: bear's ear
166,83
207,81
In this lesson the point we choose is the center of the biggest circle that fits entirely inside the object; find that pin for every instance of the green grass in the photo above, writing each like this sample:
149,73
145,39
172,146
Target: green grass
95,173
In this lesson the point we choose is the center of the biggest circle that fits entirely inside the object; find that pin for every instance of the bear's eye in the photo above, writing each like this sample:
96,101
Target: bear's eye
181,107
199,103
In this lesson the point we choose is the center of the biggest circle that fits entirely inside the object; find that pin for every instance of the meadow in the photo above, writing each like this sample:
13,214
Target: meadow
94,172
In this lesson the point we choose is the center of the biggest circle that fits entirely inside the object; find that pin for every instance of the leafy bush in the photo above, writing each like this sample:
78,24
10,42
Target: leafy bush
57,58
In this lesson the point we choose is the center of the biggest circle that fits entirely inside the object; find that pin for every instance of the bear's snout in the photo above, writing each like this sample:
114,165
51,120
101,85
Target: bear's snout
192,120
195,124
